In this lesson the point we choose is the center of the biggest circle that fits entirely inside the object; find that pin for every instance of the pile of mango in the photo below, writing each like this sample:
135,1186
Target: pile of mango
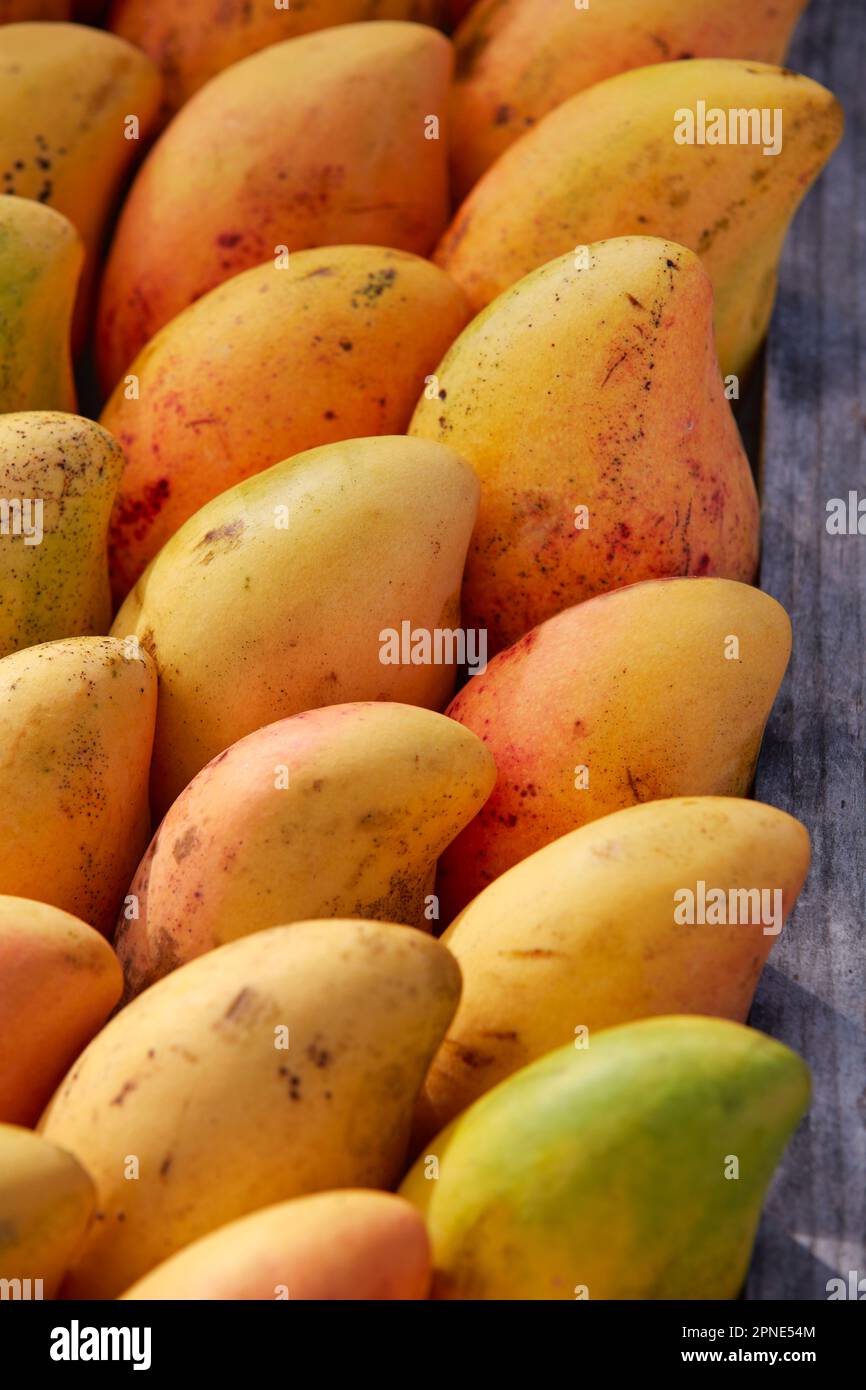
319,980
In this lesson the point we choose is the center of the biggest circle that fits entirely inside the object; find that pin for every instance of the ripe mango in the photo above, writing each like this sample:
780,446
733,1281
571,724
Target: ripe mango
661,689
66,93
590,405
515,60
606,164
336,1245
633,1169
317,141
62,471
192,42
59,981
46,1203
272,599
41,255
339,812
12,11
283,1064
585,934
337,346
77,721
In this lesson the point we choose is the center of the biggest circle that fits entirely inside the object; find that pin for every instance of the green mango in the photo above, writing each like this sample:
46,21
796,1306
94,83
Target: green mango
633,1168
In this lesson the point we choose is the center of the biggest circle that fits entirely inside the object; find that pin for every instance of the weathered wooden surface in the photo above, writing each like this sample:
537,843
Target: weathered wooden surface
813,994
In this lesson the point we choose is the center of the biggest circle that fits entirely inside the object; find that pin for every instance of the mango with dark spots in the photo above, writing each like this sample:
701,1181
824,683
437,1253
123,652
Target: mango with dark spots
59,981
340,812
41,255
319,141
589,402
281,1065
47,1201
76,730
586,934
337,346
657,690
58,478
277,597
609,1171
516,60
629,156
66,93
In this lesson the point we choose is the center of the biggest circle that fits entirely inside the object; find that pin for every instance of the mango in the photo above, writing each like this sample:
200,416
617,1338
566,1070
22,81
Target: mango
76,726
336,1245
593,931
658,690
335,347
339,812
266,602
191,43
59,981
283,1064
254,168
608,163
12,11
41,256
58,477
515,60
46,1203
633,1169
66,95
589,403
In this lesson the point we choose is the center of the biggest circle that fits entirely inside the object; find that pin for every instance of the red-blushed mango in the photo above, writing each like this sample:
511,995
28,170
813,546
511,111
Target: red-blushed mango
319,141
77,718
46,1203
607,1171
280,1065
282,595
363,1246
59,981
593,930
193,41
66,93
337,812
273,362
589,402
661,689
515,60
629,156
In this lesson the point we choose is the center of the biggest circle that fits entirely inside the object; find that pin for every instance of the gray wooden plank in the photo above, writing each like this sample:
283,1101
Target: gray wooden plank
812,994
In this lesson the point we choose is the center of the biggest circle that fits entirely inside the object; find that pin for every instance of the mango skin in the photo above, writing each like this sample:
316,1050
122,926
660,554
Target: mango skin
189,1078
58,588
593,168
249,166
13,11
515,60
78,718
583,933
596,388
249,622
635,688
46,1203
59,981
193,42
41,255
65,92
604,1169
336,1245
337,346
338,812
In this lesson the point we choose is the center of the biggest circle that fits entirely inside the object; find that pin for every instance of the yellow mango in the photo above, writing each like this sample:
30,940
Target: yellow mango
609,162
589,403
46,1203
280,1065
593,931
273,598
41,256
339,812
657,690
